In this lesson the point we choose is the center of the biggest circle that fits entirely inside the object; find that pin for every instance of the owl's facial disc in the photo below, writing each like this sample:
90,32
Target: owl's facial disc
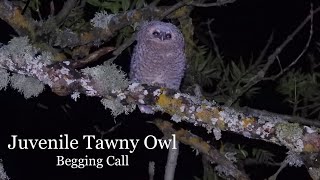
162,35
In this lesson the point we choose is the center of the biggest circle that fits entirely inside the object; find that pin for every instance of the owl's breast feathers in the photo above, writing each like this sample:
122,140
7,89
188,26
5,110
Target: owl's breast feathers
162,47
163,53
165,69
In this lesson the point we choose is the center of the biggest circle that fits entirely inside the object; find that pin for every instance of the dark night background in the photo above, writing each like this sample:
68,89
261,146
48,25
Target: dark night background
242,29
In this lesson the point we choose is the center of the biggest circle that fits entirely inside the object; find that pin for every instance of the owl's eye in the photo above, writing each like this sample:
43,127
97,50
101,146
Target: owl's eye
168,36
156,33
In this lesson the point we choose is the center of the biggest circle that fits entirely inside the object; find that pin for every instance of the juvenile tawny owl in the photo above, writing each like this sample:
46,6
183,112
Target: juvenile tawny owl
158,57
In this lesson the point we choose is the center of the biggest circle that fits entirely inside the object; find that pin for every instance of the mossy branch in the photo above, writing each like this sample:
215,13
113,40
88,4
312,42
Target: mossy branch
209,152
110,83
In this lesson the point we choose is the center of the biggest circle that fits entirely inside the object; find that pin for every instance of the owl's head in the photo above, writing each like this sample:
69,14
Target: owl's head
157,33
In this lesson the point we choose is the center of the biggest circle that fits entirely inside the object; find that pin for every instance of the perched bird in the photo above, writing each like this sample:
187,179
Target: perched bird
158,57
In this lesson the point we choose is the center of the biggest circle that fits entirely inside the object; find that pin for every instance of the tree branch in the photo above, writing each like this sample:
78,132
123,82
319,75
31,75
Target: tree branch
261,74
218,3
215,45
302,52
64,80
210,153
13,16
91,57
67,38
171,161
65,11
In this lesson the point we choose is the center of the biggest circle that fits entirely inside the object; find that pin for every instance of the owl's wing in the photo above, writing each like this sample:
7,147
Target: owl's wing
133,64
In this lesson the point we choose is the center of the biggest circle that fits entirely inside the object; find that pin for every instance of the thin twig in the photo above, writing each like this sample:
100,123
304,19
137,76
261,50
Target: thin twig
302,52
279,62
25,7
151,170
172,8
91,57
250,68
83,3
65,11
52,9
215,46
57,20
38,11
122,47
264,51
274,176
218,3
279,49
102,132
155,3
261,74
172,161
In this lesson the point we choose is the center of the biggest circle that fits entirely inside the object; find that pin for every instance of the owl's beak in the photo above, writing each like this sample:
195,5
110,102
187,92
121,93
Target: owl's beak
162,36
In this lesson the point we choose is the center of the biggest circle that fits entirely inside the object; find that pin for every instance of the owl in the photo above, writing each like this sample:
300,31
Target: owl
158,57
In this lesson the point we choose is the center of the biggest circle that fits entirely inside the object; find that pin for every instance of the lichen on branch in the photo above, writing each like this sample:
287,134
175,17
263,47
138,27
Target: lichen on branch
109,82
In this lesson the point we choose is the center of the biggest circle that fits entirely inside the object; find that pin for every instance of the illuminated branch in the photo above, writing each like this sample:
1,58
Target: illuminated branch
218,3
64,80
91,57
208,151
13,16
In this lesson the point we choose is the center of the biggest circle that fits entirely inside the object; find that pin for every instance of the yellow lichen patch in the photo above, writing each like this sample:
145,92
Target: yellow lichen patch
248,121
194,141
310,148
170,105
136,15
86,37
181,12
81,51
216,119
20,21
221,124
205,115
59,57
